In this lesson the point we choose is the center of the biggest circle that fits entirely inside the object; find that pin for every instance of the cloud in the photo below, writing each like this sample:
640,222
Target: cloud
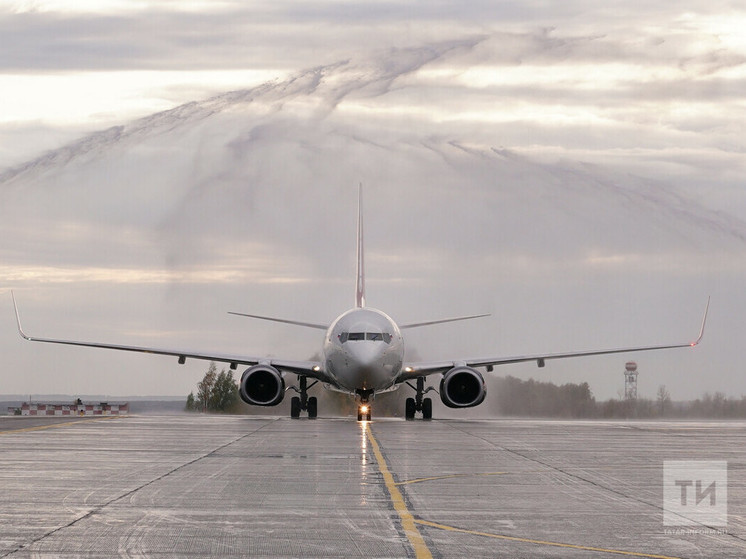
543,174
305,115
286,35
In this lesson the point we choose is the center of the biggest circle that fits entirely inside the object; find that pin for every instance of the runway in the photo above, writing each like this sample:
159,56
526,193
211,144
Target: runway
227,486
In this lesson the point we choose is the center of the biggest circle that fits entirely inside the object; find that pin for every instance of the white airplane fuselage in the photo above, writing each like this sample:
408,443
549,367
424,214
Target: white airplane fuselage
363,351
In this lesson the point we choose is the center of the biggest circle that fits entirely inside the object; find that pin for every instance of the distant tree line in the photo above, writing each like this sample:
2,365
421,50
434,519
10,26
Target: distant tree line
530,398
216,392
507,396
533,398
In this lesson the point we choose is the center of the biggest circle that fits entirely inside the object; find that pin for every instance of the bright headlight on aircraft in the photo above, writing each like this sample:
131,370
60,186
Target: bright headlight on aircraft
363,409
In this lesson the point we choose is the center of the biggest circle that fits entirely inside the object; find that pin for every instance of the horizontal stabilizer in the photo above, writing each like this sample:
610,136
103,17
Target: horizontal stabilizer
441,321
284,321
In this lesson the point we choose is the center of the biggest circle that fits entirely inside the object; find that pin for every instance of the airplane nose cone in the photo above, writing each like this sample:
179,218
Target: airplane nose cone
366,361
365,354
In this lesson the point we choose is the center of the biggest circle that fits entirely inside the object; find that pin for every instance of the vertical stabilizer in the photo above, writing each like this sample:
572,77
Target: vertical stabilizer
360,283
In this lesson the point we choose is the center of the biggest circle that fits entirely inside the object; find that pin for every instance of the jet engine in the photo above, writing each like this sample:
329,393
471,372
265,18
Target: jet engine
262,385
462,387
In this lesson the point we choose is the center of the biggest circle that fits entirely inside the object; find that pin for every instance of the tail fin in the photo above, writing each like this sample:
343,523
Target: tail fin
360,283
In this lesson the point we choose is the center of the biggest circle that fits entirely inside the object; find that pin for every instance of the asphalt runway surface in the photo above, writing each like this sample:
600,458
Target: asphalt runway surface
227,486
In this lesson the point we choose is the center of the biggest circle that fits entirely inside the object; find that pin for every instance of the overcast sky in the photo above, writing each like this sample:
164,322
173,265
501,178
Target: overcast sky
574,169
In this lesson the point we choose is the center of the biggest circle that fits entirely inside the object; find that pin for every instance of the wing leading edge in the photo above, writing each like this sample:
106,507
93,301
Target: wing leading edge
312,369
419,369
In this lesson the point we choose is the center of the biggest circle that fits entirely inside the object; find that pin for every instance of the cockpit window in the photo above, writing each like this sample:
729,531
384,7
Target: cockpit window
359,336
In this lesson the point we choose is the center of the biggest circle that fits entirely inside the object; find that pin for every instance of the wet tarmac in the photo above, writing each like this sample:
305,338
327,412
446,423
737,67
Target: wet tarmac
225,486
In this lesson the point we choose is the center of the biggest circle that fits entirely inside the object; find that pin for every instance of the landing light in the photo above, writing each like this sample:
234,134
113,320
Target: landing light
363,409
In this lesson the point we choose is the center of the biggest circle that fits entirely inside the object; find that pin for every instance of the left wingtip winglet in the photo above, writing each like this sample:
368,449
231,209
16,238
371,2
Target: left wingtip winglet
18,317
702,329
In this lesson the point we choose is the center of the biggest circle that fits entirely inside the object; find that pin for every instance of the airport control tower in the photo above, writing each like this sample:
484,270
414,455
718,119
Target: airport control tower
630,380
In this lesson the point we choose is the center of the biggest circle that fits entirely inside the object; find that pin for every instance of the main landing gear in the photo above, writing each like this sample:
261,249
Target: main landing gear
303,403
418,403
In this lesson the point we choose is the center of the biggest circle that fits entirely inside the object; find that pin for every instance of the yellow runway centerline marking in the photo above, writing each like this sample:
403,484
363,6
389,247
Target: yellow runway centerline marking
57,425
542,542
407,520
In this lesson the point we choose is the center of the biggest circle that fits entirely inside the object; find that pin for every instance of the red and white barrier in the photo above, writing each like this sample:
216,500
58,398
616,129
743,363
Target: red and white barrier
102,409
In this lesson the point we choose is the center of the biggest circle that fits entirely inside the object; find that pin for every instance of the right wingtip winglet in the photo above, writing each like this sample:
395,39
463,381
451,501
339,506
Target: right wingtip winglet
704,321
18,317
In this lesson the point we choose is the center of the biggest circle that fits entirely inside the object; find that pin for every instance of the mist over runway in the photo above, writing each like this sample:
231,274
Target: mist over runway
226,486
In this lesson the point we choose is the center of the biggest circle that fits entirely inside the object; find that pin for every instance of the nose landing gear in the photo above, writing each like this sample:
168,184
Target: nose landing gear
363,412
364,407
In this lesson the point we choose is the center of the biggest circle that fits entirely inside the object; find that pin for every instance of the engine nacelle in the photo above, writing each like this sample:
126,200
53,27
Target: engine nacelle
462,387
262,385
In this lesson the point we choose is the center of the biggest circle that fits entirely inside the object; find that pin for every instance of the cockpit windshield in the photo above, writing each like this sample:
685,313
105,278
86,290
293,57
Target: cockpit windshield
359,336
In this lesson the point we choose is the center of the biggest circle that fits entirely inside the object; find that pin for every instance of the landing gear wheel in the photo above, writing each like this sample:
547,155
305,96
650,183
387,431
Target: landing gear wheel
418,403
427,409
363,412
302,403
312,407
409,409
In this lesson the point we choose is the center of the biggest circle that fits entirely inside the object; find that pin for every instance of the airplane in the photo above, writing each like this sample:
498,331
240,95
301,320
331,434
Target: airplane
363,356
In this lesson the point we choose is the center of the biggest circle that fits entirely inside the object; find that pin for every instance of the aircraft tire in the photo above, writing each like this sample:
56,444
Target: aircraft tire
312,407
427,409
295,407
409,409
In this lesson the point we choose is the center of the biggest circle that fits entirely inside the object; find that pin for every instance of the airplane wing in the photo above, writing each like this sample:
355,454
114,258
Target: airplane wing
312,369
419,369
